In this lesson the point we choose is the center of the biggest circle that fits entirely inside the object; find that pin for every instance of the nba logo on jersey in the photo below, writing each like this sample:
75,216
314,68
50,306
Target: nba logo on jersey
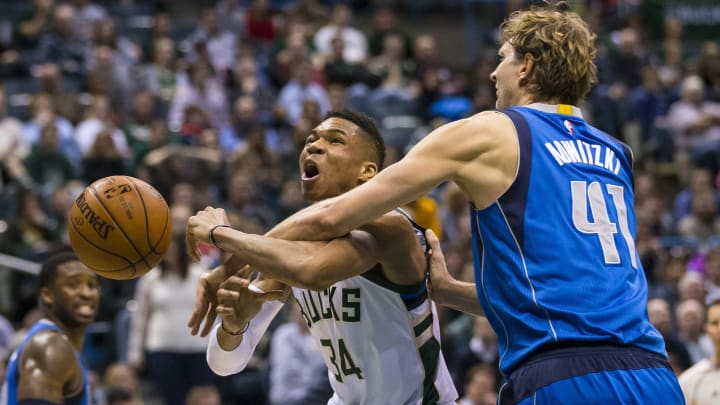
569,127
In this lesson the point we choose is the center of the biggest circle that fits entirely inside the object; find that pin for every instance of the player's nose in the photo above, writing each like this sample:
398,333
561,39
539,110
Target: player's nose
315,147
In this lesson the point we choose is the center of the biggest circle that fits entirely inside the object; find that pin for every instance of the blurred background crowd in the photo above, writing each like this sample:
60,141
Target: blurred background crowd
210,102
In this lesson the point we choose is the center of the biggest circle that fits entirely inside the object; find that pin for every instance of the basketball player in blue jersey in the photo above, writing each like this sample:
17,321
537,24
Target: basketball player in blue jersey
46,369
553,225
363,297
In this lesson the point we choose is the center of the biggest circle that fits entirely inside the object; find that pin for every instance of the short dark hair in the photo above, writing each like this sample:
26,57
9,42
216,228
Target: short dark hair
368,127
48,270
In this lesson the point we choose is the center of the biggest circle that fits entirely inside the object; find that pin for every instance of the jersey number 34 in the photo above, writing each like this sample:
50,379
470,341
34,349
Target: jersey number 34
582,193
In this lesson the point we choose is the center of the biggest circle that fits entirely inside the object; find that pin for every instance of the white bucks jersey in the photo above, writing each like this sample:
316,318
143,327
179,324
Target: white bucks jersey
380,341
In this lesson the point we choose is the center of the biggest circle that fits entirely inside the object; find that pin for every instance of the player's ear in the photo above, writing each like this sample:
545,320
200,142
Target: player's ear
527,67
368,170
46,296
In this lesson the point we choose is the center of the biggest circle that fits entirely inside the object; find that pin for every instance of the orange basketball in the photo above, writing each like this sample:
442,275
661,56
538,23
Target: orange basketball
120,227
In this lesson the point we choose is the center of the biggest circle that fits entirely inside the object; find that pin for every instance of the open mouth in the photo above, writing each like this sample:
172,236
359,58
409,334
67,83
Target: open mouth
310,170
85,310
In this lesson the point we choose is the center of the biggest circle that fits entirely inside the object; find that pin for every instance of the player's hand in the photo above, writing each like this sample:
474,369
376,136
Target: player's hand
238,304
206,301
439,276
199,226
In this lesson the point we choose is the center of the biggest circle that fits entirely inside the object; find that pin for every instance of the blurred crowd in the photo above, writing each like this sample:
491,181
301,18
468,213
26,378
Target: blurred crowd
214,111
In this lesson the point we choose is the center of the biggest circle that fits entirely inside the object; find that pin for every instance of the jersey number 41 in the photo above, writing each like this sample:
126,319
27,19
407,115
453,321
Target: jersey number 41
582,193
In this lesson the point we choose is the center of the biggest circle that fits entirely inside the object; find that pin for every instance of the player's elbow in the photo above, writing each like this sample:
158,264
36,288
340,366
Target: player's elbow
330,225
313,275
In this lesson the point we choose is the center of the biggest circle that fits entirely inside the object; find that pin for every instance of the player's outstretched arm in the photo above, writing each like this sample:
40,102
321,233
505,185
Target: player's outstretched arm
310,265
446,290
47,365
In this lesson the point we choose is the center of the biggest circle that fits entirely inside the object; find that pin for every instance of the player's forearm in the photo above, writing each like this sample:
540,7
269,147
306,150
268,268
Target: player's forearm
231,361
282,260
310,223
459,295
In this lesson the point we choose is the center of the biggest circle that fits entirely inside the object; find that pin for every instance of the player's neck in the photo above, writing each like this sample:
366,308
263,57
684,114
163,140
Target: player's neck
75,335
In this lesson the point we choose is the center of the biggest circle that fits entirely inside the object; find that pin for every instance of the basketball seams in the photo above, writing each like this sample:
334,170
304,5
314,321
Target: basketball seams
147,219
91,243
127,237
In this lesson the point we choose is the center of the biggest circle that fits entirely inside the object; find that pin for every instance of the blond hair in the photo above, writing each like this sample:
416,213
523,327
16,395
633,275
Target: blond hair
562,48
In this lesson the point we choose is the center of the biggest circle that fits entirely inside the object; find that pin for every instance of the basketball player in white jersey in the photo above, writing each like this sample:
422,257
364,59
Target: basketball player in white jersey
363,296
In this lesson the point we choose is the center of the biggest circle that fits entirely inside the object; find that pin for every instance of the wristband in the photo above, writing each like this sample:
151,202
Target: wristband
212,231
222,326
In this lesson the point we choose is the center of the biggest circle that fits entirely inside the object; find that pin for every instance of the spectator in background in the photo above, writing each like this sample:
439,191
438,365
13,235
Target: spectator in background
119,396
396,72
244,200
300,89
453,212
690,285
703,221
244,118
160,76
246,80
662,319
34,24
121,378
12,131
298,375
700,383
689,316
161,27
203,90
313,12
481,349
712,271
103,159
203,395
29,234
354,40
99,118
87,13
695,123
138,127
339,71
480,386
46,164
43,114
708,68
259,23
174,359
385,23
61,47
701,180
65,94
219,43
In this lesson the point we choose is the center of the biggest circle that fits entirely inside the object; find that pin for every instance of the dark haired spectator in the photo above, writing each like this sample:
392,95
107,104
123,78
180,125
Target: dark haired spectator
203,90
219,43
340,24
46,164
60,46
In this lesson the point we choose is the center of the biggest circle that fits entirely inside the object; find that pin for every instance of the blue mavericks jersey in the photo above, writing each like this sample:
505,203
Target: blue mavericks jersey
8,396
555,257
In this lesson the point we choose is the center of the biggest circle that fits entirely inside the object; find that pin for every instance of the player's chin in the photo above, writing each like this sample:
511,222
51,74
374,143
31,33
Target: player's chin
311,191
